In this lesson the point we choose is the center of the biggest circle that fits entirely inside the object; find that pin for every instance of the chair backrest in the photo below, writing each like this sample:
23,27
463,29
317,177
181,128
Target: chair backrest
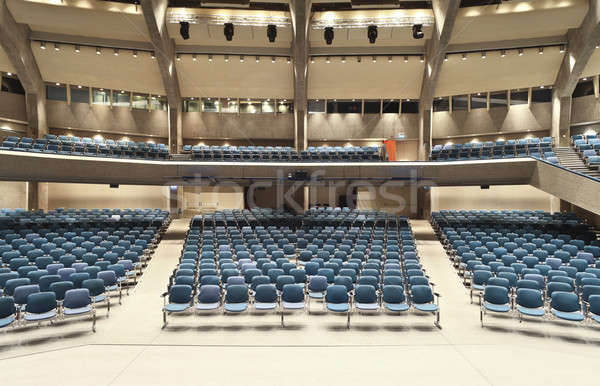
7,307
496,294
529,298
393,294
317,283
41,302
94,286
209,294
336,294
565,301
365,294
421,294
237,294
180,293
266,293
60,288
77,298
292,293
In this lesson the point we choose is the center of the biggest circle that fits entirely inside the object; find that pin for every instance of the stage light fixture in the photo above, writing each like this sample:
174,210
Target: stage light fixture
228,31
272,32
43,45
417,31
184,29
328,35
372,33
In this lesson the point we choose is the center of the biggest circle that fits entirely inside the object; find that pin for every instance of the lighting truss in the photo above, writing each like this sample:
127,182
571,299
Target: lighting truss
379,21
238,20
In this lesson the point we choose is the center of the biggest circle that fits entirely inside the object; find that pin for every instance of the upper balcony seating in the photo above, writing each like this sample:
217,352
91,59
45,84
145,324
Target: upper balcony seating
284,153
588,147
68,145
534,147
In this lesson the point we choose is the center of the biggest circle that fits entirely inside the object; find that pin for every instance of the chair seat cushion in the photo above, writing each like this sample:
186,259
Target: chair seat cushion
99,298
531,311
496,307
38,317
477,287
293,306
177,307
338,307
7,321
78,311
397,307
112,288
595,317
571,316
265,306
316,295
207,306
236,307
367,306
426,307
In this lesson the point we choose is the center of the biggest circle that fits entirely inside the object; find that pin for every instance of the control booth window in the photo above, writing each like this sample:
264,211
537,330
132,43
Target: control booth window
140,101
519,97
344,107
11,84
158,102
316,106
585,87
285,107
460,102
391,106
249,106
441,104
80,94
121,98
191,105
372,106
229,105
56,92
210,105
542,94
100,96
498,99
479,101
410,106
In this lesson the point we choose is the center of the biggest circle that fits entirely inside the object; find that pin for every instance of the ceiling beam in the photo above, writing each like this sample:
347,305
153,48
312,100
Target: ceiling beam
581,45
14,39
164,47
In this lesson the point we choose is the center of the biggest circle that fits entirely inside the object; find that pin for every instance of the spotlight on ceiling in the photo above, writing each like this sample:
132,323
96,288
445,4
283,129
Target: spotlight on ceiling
328,35
77,49
520,52
562,48
541,51
271,32
43,45
372,33
464,56
405,59
502,53
228,31
327,60
184,29
273,59
241,58
153,55
56,47
389,59
343,59
98,52
135,53
422,59
257,59
210,58
358,59
116,51
483,55
417,30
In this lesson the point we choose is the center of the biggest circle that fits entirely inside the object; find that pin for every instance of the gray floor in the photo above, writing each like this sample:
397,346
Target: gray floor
130,347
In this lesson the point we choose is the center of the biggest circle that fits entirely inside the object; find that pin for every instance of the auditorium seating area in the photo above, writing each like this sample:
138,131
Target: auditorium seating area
66,262
69,145
284,153
588,148
527,147
531,264
350,261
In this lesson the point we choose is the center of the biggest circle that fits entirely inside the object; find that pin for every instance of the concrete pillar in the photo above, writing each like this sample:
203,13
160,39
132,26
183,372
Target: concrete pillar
37,195
175,130
300,12
425,133
176,201
561,119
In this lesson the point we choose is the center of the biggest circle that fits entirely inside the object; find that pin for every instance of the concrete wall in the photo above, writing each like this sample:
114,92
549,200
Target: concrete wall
356,126
585,109
13,194
102,196
106,119
12,106
210,198
244,126
518,118
496,197
397,199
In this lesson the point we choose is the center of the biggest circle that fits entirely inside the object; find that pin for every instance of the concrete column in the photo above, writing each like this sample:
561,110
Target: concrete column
300,12
175,201
37,195
561,119
175,130
425,132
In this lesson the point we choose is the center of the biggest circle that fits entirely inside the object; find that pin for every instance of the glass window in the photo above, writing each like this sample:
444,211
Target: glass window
12,84
344,107
285,107
268,106
191,105
441,104
584,88
479,101
100,96
518,97
316,106
139,101
410,107
460,102
372,107
250,106
210,105
391,106
56,93
229,105
158,102
121,98
541,94
498,99
80,94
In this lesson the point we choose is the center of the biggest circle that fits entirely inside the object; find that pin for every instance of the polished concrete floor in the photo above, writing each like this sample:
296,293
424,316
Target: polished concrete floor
130,348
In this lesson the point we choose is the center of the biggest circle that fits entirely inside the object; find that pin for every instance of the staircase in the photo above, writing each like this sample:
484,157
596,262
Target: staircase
570,159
